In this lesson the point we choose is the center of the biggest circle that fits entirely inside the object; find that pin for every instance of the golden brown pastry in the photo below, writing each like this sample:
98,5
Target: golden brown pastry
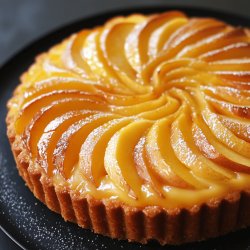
140,129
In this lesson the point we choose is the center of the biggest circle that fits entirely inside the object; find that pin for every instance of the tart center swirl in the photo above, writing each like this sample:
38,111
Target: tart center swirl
154,110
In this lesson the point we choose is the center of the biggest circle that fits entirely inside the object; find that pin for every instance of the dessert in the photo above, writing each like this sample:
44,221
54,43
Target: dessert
140,129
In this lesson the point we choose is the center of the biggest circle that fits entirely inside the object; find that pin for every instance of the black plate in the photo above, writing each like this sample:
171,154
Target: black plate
26,220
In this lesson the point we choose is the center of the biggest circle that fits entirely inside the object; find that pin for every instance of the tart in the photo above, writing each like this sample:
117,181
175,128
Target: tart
139,129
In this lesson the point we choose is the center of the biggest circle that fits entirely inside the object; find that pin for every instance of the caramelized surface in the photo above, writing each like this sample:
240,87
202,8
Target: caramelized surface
149,110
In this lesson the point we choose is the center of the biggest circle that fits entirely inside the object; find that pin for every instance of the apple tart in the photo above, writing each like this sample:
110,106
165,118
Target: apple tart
139,129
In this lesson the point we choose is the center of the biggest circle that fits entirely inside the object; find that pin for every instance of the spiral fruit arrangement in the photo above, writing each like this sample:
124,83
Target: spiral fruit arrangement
140,128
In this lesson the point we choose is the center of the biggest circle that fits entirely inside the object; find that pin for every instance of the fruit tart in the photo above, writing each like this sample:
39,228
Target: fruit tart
139,129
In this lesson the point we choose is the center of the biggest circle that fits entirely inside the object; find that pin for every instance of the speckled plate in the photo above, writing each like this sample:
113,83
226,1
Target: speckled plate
26,220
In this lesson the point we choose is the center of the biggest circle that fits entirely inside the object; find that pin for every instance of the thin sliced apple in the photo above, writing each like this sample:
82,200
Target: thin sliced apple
240,128
34,106
162,34
218,152
223,134
164,68
232,51
57,83
169,108
91,158
179,73
137,109
189,34
73,58
183,46
37,125
229,108
228,94
119,163
162,159
113,46
242,64
127,100
66,153
241,77
92,54
217,41
138,41
53,67
52,134
145,173
187,152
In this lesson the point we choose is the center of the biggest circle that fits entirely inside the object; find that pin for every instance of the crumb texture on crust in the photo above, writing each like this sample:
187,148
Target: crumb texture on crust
143,121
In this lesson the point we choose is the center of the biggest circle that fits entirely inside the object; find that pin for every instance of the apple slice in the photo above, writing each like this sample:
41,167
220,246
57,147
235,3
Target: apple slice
66,153
52,134
73,59
232,51
141,165
91,158
60,84
217,41
162,34
218,152
119,163
113,47
137,109
53,66
241,77
194,34
112,44
179,73
94,57
127,100
164,68
187,152
193,31
225,135
228,94
37,125
228,108
35,105
242,64
162,160
234,72
138,40
167,109
239,127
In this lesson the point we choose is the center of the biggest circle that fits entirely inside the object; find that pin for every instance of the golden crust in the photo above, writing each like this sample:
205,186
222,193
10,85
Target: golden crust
117,220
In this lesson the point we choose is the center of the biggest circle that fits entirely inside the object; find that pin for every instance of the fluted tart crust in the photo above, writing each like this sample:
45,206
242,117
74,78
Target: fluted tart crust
140,129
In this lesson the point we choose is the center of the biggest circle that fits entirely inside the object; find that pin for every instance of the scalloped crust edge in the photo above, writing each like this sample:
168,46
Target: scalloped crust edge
117,220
